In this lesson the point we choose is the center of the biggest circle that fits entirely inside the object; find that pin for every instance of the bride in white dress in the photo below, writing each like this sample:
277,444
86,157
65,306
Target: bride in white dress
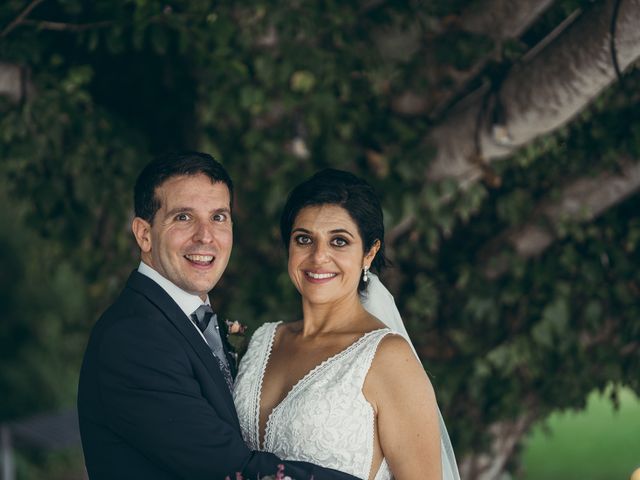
342,387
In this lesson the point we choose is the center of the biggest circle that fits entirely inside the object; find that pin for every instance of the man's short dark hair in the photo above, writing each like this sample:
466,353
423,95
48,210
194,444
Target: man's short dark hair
170,165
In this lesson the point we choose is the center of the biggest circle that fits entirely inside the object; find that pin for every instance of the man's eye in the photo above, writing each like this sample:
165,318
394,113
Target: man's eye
339,242
303,240
220,217
182,217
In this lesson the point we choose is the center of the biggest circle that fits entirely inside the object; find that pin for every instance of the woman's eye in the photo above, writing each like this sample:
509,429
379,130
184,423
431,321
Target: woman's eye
302,240
339,242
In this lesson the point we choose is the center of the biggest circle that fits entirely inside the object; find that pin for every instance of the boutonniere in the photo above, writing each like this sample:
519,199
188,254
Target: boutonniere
235,327
234,332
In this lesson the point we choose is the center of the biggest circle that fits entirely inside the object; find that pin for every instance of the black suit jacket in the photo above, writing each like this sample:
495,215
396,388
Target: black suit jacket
153,403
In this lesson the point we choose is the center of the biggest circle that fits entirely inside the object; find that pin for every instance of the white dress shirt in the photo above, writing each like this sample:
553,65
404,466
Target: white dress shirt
187,302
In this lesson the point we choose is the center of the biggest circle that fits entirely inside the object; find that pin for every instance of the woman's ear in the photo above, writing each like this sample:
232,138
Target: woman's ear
371,254
142,231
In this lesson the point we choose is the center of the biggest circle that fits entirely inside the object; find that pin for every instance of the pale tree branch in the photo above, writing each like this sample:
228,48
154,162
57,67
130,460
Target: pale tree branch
536,97
474,20
499,19
66,27
400,229
71,27
20,18
502,19
580,201
518,27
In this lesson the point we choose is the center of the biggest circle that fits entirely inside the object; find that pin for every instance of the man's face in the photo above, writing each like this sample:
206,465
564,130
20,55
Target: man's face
191,237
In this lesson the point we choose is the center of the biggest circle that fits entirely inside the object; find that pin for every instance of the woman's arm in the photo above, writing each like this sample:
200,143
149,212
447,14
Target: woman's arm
154,402
408,428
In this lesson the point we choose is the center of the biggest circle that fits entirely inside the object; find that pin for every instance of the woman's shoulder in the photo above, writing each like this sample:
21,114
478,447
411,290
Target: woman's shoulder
395,360
395,368
393,347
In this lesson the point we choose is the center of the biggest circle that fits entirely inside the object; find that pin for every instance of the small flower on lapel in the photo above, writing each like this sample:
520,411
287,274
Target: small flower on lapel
234,332
235,327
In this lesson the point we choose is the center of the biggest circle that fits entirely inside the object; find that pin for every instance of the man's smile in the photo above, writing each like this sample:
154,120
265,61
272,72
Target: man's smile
202,260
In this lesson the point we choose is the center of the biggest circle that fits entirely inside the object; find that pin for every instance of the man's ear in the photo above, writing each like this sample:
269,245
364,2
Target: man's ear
371,254
142,231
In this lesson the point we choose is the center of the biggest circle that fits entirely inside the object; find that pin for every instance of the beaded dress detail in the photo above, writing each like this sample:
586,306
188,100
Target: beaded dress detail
325,418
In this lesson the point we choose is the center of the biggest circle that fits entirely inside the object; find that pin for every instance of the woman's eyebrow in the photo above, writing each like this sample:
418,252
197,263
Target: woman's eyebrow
333,232
342,230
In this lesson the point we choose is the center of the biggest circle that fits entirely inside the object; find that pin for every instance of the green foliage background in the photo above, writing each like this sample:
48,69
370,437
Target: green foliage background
251,82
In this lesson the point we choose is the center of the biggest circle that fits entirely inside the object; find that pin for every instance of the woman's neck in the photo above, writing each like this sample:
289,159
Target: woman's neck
341,316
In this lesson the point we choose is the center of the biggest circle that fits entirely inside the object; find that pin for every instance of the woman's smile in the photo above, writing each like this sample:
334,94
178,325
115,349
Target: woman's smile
319,277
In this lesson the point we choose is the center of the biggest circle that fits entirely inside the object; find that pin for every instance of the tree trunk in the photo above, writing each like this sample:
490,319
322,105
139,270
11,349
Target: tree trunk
538,96
14,81
507,435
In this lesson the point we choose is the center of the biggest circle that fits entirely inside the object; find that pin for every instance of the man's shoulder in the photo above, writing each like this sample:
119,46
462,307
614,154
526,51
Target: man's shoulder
128,301
134,307
133,326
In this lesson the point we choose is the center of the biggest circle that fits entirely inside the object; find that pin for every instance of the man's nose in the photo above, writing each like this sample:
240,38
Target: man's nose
203,233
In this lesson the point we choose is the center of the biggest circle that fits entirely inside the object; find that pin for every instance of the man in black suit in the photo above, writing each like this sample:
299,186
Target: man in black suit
154,397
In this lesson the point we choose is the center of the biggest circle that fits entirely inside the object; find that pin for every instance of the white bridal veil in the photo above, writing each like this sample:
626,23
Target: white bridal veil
379,302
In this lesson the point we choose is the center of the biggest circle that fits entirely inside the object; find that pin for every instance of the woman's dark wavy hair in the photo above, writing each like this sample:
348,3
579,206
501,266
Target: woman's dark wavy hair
356,196
169,165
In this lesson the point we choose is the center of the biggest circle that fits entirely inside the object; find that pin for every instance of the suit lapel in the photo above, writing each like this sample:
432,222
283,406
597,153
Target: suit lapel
170,309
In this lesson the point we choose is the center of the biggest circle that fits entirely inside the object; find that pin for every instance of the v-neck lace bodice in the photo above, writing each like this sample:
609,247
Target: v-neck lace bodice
325,418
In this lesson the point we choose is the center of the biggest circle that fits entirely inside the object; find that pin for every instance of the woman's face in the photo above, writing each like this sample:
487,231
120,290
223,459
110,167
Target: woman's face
326,254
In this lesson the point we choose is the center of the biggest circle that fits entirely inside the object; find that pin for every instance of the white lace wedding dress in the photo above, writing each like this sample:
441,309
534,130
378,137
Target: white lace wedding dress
324,419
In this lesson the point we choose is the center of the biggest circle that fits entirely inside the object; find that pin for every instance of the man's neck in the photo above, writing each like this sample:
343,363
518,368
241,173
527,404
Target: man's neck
187,302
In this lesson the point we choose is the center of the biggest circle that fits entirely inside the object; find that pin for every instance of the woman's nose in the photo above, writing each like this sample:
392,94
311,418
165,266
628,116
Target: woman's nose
320,253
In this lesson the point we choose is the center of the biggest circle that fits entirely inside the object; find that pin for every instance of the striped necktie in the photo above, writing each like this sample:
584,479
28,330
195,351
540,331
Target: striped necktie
211,332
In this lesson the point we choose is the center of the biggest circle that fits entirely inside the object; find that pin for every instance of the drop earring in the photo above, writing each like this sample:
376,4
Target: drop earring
365,274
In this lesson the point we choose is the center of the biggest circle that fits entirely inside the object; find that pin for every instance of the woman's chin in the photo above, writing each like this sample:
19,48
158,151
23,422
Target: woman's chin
320,296
326,296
